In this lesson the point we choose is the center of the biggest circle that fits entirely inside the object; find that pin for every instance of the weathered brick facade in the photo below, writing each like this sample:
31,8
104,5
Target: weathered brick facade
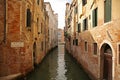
16,58
61,36
22,37
53,25
38,30
105,34
2,19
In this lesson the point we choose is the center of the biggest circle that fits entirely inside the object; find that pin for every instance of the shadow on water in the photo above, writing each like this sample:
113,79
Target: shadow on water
58,65
74,70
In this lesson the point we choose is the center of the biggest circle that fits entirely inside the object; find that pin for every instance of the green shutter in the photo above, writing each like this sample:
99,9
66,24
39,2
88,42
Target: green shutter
107,11
94,17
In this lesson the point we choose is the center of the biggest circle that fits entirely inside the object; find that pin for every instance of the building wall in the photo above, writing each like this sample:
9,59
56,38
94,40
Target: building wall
25,45
17,49
53,24
60,36
2,23
47,32
39,30
55,30
103,33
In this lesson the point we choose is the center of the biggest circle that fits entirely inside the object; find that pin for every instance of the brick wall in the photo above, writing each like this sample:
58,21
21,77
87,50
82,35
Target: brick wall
102,33
2,16
16,59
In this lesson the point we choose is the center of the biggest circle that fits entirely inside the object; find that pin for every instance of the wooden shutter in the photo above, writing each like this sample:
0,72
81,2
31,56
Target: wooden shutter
107,10
94,17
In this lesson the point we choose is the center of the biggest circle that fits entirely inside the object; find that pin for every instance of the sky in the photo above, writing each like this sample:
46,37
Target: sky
59,7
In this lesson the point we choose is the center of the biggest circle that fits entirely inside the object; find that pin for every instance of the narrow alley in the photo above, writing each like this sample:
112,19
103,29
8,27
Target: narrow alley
58,65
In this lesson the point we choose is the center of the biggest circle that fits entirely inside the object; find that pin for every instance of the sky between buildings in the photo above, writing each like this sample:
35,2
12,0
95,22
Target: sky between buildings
59,7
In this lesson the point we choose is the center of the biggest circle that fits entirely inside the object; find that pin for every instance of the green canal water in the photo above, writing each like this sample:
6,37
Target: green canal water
58,65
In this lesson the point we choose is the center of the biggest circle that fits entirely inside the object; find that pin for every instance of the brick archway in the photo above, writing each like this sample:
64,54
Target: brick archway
106,62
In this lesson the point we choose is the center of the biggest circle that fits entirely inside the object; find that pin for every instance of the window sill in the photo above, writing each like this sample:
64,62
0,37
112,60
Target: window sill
106,23
28,28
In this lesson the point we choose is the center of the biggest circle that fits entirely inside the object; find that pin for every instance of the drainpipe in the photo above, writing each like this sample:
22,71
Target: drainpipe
4,40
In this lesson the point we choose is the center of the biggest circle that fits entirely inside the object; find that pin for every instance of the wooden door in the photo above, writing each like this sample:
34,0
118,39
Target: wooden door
107,73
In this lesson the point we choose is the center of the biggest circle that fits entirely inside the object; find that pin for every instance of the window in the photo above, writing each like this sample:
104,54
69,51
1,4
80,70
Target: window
86,46
73,42
76,26
76,10
28,21
107,10
42,45
84,2
119,52
94,17
79,28
85,24
38,27
41,27
76,42
37,22
94,48
38,2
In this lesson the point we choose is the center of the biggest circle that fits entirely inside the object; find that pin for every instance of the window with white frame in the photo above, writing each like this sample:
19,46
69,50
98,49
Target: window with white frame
94,17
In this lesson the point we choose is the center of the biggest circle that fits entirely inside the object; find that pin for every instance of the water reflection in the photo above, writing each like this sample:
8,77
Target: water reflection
61,64
58,66
47,69
52,61
74,70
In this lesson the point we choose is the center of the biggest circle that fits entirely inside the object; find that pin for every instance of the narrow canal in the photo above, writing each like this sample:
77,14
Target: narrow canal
58,65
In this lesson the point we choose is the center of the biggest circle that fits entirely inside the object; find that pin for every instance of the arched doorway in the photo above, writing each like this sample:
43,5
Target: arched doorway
106,62
34,53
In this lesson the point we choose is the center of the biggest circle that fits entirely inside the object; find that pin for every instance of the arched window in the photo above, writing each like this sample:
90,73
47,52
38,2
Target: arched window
107,49
84,2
